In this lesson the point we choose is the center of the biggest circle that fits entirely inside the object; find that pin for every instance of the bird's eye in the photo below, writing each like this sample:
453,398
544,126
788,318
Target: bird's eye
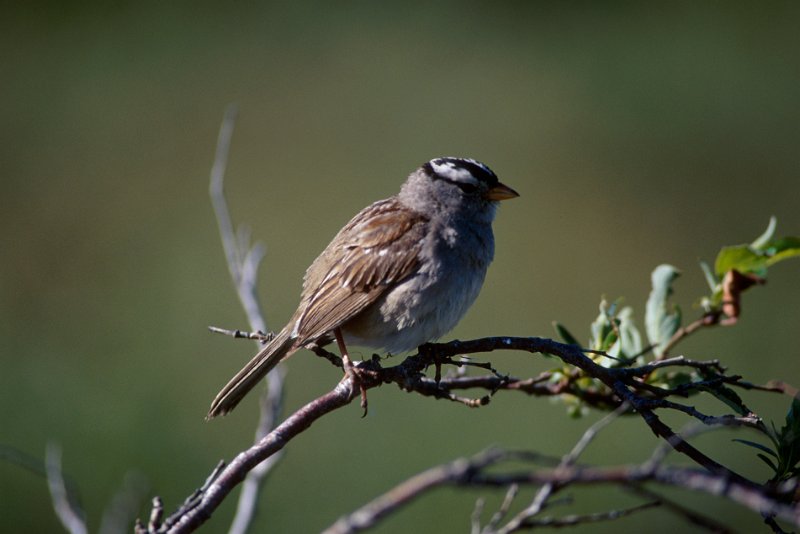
467,187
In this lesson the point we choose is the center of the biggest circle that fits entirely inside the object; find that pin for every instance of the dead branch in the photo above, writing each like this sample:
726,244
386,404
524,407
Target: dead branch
243,263
70,515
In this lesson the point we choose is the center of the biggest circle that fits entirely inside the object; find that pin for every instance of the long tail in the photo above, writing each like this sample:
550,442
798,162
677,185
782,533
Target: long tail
256,369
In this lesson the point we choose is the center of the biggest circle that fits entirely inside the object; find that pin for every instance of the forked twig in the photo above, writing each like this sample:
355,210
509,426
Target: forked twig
243,263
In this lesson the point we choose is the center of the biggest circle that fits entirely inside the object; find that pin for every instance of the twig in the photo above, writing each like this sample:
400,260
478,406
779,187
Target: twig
124,505
539,502
271,406
259,336
68,513
693,517
243,262
573,520
458,471
709,319
475,517
505,506
156,514
757,498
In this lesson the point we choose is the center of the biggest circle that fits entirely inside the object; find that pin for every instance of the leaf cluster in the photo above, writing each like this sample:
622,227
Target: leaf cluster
616,342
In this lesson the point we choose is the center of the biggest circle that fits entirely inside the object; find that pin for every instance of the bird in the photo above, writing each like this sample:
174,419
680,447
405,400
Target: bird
401,273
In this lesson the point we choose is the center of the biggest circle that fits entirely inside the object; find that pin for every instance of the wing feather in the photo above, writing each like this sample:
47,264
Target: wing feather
378,247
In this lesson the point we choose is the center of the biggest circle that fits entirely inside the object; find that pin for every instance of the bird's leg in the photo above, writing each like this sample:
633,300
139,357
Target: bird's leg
349,368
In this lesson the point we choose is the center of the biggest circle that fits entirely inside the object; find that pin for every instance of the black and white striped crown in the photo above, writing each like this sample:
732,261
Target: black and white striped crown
464,172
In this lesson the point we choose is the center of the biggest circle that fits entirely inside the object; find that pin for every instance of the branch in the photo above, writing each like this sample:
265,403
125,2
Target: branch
243,263
481,471
623,384
707,320
125,504
70,515
457,472
695,518
524,518
574,520
242,260
618,380
271,407
211,496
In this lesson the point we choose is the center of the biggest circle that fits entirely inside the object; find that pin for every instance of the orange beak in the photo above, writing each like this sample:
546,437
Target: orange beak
501,192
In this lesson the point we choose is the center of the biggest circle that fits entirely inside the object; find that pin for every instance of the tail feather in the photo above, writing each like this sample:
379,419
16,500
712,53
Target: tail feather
251,374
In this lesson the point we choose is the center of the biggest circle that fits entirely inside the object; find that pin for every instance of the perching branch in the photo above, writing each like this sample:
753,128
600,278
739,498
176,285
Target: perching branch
220,485
409,376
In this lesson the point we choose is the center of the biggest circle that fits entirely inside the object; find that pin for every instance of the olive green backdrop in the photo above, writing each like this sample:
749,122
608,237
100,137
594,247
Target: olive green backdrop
636,135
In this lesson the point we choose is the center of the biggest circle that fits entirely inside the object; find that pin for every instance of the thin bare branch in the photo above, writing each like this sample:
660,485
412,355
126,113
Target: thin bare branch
485,469
68,512
124,505
505,506
695,518
707,320
539,502
475,517
454,472
271,407
757,498
259,336
243,263
156,514
574,520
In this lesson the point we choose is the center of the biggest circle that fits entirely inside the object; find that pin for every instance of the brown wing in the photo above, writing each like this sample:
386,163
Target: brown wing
378,247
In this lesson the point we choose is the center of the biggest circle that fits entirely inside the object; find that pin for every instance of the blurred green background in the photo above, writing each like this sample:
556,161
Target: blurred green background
636,135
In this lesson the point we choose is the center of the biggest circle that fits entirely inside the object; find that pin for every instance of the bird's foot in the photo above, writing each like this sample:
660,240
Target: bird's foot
351,371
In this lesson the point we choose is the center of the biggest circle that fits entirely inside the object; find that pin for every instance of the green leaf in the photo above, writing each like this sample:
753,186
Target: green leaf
783,249
610,339
661,318
565,335
789,439
600,327
764,238
742,258
755,445
757,256
769,462
630,338
793,417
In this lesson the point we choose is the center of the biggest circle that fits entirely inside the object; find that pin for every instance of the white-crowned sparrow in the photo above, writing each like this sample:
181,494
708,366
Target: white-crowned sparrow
401,273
